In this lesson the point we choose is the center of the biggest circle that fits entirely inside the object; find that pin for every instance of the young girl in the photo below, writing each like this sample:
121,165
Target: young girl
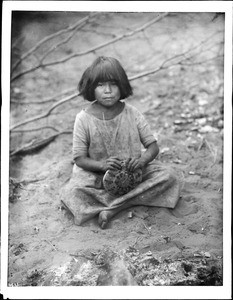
105,133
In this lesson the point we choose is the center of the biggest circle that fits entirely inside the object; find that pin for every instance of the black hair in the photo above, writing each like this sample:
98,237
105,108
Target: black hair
104,69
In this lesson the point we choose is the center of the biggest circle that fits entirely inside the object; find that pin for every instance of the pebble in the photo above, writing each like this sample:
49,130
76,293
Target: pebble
165,149
201,121
208,128
130,215
207,254
191,173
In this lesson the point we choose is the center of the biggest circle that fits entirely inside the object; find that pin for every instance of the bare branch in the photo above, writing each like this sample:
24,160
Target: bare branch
165,64
47,38
182,56
69,98
37,144
35,129
49,99
54,47
200,62
114,40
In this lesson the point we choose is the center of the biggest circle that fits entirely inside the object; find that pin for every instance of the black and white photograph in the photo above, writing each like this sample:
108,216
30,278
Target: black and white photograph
116,149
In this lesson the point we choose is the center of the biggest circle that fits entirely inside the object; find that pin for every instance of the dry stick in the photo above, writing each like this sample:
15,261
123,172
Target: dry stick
14,44
114,40
51,244
162,66
47,38
146,73
208,49
72,97
146,228
136,241
36,129
200,62
49,99
37,144
33,145
214,153
47,113
54,47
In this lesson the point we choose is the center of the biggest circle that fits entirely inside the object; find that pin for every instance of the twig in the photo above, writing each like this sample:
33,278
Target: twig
146,228
69,98
14,44
203,142
145,73
151,108
200,62
163,65
114,40
54,47
47,38
214,153
36,144
27,181
36,129
136,241
46,100
51,245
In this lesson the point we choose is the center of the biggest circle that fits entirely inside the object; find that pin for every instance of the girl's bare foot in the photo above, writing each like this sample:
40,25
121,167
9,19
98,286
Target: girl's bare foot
104,217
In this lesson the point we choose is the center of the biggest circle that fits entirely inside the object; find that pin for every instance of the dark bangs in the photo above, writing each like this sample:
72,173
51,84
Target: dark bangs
104,69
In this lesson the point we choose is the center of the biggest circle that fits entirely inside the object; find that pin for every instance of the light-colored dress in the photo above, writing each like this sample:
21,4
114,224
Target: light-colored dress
123,136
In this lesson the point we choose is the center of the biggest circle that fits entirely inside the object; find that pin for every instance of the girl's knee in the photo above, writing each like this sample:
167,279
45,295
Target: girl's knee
172,174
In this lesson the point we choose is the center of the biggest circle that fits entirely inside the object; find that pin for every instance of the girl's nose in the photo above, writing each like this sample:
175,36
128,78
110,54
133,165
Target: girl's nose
107,88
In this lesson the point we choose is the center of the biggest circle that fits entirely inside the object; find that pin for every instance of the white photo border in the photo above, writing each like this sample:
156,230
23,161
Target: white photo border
216,292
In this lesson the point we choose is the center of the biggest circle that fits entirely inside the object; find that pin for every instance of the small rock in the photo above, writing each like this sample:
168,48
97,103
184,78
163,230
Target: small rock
187,115
197,255
187,267
118,275
207,129
36,229
207,254
165,149
202,102
130,215
179,122
177,161
191,173
201,121
220,124
16,90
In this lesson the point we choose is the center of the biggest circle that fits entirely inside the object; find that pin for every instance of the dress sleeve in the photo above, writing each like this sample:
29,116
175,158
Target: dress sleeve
80,137
145,133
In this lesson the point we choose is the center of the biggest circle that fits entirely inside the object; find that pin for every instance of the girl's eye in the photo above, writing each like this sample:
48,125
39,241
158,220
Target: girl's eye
102,84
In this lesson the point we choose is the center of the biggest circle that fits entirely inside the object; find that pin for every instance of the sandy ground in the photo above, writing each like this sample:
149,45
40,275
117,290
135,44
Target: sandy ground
183,105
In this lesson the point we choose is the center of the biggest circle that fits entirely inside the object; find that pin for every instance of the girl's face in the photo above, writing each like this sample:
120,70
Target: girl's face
107,93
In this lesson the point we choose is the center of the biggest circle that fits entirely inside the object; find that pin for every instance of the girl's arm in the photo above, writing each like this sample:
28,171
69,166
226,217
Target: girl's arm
90,164
151,152
112,163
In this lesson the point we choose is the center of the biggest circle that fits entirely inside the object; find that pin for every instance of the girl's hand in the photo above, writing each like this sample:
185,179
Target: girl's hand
134,163
112,163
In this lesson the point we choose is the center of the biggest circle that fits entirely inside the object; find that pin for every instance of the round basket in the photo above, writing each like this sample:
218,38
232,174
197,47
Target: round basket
120,182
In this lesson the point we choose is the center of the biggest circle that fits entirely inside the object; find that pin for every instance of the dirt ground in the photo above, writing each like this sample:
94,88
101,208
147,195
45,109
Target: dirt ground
184,106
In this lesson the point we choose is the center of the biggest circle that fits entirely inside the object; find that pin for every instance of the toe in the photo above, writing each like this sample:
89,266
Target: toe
103,225
103,220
